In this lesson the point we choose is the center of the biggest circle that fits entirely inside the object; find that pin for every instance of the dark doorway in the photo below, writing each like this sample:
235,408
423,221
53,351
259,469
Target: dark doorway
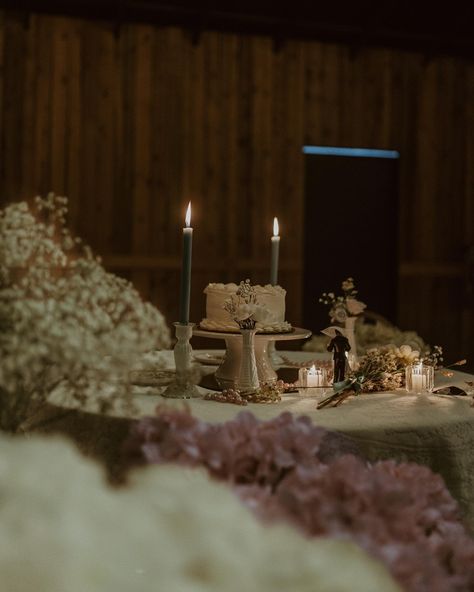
351,228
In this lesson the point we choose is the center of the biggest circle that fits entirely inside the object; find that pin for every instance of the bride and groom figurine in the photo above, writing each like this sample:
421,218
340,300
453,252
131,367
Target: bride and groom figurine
339,345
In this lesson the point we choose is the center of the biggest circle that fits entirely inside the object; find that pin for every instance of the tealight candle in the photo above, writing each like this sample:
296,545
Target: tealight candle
312,377
417,382
185,290
419,378
275,253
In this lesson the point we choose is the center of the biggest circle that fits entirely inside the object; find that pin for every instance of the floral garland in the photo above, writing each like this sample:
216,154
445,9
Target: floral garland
288,469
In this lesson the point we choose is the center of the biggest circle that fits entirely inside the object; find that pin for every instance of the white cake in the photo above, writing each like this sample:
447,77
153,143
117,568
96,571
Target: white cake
218,319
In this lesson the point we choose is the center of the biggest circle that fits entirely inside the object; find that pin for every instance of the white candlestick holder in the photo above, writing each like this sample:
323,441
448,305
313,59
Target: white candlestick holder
182,386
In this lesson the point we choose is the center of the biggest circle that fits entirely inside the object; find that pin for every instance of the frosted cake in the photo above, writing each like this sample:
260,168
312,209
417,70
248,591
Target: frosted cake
218,319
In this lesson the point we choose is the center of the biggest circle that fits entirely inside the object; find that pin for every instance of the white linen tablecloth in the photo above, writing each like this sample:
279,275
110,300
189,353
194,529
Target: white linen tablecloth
433,430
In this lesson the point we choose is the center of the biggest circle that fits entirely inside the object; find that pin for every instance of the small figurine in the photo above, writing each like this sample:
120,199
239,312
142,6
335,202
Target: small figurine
339,345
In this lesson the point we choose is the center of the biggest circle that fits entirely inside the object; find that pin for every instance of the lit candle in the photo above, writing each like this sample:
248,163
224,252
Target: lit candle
275,253
312,377
417,378
185,292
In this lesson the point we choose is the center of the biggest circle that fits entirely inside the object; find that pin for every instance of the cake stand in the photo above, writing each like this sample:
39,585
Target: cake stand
228,372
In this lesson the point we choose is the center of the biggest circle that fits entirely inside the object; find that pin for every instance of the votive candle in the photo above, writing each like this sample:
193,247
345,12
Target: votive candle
417,378
312,377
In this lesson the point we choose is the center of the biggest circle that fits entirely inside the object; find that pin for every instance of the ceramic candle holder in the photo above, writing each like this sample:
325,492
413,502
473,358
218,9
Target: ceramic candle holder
182,387
419,378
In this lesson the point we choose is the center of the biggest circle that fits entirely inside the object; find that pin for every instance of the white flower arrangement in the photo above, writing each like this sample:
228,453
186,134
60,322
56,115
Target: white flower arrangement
244,308
64,529
63,318
345,305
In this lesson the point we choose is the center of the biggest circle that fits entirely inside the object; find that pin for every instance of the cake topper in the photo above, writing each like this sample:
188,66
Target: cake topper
244,308
339,345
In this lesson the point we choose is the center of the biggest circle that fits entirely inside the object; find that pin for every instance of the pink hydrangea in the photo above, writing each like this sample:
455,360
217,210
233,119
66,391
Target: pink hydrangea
243,450
288,469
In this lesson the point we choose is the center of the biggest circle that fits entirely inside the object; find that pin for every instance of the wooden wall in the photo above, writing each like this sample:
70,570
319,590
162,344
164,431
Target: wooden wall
132,122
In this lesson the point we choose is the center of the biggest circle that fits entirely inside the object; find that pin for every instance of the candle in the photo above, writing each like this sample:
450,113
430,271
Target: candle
275,253
418,381
185,291
419,378
312,377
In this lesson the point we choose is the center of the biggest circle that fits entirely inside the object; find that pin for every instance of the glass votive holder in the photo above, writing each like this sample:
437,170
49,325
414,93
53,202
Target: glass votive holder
313,377
419,378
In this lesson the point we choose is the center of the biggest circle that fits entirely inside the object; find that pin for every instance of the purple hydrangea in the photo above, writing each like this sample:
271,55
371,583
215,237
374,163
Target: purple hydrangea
288,469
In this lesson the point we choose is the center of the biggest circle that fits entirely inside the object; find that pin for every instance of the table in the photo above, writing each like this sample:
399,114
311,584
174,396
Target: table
433,430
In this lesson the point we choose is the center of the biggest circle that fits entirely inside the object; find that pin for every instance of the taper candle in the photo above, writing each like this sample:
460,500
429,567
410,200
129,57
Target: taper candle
275,253
185,291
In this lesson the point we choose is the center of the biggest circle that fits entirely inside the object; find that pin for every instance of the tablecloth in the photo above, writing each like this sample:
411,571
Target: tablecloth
433,430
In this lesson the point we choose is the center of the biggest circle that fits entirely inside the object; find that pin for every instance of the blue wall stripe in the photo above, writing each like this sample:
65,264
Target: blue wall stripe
358,152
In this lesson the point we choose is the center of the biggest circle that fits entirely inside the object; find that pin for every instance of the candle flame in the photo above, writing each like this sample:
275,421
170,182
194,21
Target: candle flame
188,216
418,367
276,228
312,370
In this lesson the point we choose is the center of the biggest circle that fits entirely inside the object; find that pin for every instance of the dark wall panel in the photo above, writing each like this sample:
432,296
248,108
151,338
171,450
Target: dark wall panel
133,121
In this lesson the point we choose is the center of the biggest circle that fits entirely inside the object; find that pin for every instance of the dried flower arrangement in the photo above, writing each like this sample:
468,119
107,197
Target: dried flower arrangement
344,305
383,369
266,393
288,469
63,318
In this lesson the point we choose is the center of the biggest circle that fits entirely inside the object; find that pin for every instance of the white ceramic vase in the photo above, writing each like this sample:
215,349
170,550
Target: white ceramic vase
352,357
248,376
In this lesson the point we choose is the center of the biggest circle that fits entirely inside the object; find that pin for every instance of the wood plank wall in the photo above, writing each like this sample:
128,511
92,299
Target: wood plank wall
133,122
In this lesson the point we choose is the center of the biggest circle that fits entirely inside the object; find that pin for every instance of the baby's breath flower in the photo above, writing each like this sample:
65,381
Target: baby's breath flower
63,318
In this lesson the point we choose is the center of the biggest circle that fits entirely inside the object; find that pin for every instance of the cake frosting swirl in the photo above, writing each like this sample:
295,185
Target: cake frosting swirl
218,319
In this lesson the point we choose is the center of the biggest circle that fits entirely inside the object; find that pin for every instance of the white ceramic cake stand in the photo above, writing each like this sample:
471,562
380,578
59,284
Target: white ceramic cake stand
228,372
